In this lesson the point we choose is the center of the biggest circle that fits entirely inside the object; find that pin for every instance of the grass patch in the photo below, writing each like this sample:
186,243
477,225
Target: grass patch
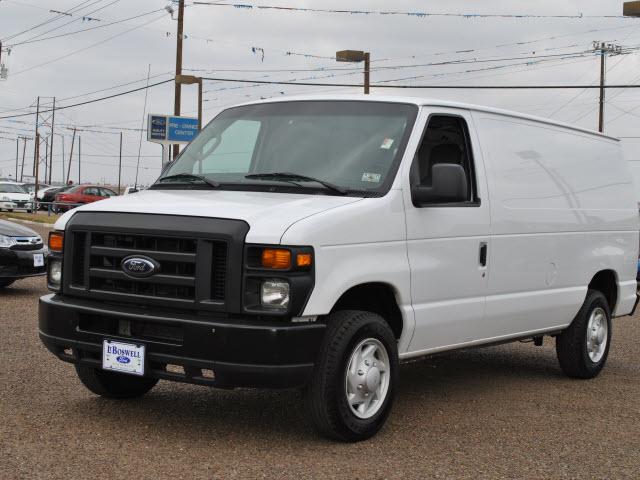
32,217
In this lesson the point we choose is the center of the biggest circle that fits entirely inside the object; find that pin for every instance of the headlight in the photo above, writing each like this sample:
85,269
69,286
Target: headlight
274,293
54,273
7,242
5,199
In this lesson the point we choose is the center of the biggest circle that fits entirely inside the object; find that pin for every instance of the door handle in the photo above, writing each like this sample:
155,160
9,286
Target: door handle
483,254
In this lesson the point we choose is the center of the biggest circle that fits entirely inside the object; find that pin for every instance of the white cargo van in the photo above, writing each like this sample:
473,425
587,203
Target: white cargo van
317,242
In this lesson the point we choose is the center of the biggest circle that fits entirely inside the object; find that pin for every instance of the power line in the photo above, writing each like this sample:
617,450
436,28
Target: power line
117,22
75,19
419,14
92,101
435,87
88,47
57,17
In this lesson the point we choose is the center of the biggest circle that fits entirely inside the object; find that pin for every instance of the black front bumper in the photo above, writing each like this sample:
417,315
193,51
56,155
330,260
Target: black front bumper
15,264
241,352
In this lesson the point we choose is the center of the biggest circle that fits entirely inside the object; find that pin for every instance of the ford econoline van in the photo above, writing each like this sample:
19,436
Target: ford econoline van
318,242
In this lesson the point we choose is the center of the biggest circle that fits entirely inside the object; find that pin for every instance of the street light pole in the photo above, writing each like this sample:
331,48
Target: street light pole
357,56
190,80
631,9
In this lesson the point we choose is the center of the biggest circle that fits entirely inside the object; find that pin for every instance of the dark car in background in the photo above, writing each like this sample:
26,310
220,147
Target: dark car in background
80,195
22,253
50,196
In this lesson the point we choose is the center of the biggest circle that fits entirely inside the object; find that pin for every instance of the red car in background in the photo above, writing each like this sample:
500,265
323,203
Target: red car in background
81,194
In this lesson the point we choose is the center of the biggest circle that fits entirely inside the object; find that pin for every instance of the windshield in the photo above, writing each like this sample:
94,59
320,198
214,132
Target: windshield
11,188
353,145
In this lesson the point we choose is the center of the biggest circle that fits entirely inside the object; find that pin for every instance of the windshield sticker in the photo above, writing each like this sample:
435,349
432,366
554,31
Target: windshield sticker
386,143
371,177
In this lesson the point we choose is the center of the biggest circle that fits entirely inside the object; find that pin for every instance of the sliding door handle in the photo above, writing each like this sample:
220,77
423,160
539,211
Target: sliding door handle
483,254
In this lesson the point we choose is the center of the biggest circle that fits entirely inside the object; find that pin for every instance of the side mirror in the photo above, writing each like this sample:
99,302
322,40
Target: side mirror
449,185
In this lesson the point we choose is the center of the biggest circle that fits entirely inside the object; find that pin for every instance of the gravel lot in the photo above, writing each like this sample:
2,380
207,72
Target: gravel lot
500,412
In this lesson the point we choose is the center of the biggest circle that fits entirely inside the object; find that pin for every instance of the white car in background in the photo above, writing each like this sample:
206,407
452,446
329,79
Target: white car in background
14,197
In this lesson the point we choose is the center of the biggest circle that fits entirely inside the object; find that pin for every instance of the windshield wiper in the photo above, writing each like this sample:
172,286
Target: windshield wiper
190,176
287,176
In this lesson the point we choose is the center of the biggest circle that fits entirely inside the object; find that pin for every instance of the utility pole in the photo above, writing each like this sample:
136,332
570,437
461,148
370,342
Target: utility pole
37,156
73,141
62,163
178,91
46,158
17,156
120,165
53,120
24,151
79,156
604,49
36,151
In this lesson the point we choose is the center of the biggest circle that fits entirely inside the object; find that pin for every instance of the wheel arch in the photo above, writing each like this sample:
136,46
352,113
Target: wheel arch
606,282
376,297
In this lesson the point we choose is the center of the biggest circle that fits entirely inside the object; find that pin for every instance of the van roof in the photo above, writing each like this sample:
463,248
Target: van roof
429,102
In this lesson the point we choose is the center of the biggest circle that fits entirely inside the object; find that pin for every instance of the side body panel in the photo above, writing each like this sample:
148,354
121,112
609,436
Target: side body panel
362,242
562,209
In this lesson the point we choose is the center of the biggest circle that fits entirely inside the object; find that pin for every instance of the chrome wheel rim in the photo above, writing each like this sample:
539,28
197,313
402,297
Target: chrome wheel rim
597,334
367,378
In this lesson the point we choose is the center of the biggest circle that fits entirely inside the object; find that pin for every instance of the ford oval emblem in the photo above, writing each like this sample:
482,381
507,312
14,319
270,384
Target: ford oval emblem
123,359
139,266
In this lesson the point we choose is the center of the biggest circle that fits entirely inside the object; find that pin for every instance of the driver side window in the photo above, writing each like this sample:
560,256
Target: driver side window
445,141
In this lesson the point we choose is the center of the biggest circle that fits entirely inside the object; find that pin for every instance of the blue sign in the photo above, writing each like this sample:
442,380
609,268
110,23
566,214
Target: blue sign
158,129
182,129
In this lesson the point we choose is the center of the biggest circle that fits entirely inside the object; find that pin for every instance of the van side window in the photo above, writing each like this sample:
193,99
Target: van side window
446,140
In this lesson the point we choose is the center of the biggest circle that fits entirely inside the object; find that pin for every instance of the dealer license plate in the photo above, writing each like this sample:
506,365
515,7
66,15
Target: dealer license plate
123,357
38,260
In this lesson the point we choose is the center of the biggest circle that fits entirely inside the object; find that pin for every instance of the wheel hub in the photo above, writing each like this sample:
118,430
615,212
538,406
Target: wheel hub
367,378
373,379
597,334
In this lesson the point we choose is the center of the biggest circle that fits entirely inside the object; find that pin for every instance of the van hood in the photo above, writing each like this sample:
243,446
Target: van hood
268,214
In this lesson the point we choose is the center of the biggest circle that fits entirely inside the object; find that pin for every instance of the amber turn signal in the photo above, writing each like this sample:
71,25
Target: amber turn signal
56,241
303,260
276,258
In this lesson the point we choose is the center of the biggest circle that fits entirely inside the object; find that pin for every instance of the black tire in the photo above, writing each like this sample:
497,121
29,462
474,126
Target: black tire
29,211
571,344
325,396
114,385
6,283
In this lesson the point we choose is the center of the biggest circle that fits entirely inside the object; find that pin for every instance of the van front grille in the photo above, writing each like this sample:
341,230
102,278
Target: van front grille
98,258
184,262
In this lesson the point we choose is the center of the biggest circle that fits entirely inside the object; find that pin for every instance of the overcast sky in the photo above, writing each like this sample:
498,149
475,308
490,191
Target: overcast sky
221,38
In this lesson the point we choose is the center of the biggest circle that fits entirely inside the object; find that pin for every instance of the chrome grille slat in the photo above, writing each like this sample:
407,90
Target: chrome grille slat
158,255
158,278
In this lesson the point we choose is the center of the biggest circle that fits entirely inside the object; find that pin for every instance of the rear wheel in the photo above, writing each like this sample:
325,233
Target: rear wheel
583,347
354,381
114,385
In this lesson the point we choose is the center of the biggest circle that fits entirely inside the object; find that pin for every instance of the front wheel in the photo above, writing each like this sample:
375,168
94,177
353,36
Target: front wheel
114,385
5,283
583,347
350,395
